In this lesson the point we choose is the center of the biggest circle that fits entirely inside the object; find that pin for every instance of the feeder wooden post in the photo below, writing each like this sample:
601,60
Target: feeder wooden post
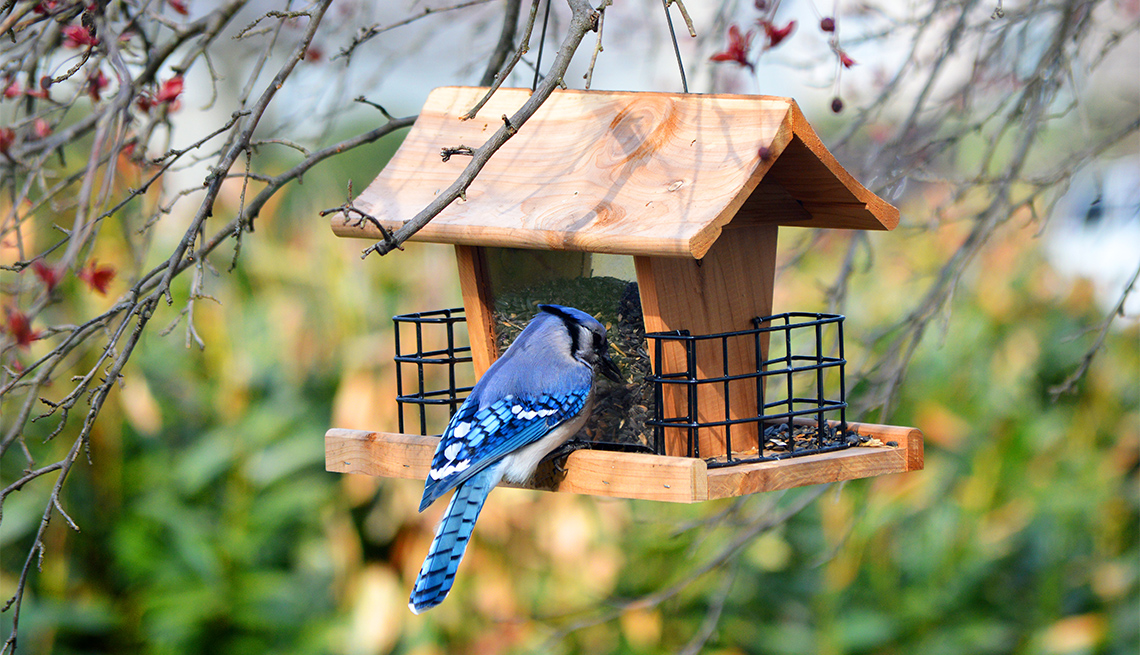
722,292
478,305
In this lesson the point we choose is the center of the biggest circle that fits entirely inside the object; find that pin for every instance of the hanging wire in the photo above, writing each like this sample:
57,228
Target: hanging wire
672,34
541,46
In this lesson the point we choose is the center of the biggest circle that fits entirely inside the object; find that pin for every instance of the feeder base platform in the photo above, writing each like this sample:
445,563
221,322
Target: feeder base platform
643,476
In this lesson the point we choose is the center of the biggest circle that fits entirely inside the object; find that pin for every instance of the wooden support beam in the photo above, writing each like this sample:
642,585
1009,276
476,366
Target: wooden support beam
721,293
478,306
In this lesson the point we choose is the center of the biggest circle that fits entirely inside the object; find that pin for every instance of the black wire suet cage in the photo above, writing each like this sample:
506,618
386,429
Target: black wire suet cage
799,389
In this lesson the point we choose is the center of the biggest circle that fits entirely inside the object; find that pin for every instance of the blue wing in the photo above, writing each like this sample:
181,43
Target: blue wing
476,438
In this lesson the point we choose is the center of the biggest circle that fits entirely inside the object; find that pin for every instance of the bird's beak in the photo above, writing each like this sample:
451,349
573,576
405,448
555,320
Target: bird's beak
609,369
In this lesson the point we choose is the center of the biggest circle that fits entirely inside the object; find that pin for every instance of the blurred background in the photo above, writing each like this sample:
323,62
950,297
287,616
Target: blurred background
1007,135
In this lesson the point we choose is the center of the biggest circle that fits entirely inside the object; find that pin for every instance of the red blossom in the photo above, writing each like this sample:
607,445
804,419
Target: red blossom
167,94
169,91
77,37
827,24
737,50
776,34
47,274
314,53
45,7
13,89
847,62
97,277
179,7
95,85
41,128
7,138
20,327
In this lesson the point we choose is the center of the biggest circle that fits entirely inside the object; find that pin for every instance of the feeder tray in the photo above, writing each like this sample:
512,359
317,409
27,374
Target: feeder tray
636,475
694,187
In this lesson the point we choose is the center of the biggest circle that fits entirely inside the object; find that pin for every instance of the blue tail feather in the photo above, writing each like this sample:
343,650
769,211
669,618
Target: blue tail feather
438,571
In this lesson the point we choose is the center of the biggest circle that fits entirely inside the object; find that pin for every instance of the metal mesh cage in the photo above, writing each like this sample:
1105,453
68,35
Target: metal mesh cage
790,387
433,355
793,409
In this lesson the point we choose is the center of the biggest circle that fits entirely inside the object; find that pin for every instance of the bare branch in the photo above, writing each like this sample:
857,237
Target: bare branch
506,42
367,33
1070,382
524,46
584,19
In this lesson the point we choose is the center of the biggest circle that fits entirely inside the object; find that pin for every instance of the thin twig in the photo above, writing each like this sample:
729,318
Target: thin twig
589,76
584,19
524,46
506,42
368,33
1117,311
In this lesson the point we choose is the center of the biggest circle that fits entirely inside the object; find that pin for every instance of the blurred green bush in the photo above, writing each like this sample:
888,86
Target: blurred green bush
210,526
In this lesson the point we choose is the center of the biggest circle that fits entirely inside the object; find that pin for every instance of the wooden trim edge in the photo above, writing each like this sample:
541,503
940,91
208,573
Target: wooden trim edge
641,476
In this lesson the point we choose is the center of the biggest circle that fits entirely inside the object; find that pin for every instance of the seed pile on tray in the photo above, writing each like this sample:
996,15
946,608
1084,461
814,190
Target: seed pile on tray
805,439
620,410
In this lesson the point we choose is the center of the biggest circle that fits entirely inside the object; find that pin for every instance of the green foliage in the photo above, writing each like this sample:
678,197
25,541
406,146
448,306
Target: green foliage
209,524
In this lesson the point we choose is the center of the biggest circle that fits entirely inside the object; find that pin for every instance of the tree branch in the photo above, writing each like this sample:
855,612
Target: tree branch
583,20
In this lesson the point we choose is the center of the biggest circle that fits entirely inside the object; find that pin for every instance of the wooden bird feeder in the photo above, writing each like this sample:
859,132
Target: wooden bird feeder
695,188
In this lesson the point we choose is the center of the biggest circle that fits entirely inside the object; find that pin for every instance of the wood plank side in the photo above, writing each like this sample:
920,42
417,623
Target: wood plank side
721,293
849,464
384,454
626,475
478,304
591,472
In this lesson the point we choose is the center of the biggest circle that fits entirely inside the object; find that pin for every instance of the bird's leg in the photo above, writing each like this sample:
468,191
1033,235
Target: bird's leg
559,454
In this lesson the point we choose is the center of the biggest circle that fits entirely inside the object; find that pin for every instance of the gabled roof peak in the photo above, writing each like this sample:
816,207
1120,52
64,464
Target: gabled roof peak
618,172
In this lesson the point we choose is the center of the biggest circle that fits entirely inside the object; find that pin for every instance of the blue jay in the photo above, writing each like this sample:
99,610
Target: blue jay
532,400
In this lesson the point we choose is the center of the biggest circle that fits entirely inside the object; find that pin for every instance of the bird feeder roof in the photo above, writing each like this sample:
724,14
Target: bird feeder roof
656,174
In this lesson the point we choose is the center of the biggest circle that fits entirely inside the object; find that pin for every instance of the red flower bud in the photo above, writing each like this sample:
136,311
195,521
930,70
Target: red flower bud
827,24
836,105
737,50
95,85
170,90
77,36
47,274
20,327
41,128
776,34
97,277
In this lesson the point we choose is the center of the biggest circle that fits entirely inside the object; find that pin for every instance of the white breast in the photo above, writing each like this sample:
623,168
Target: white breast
520,465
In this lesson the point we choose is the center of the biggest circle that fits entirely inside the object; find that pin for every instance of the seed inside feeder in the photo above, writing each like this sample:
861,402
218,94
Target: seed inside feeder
620,409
